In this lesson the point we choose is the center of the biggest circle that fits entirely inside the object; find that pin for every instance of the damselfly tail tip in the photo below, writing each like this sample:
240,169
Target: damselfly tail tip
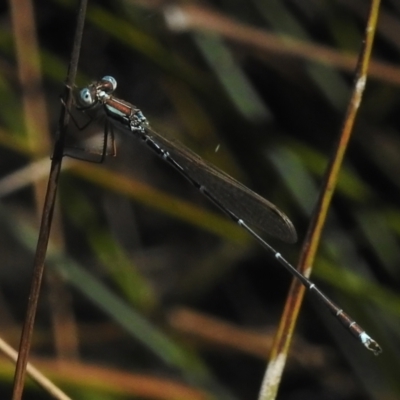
370,344
374,347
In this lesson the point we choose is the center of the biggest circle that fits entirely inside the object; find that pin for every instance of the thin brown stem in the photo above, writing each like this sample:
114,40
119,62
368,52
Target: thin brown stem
39,141
288,321
44,232
194,17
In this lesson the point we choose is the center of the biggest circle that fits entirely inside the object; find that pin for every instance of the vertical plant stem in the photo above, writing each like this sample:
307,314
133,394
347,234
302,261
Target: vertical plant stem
39,142
273,374
44,232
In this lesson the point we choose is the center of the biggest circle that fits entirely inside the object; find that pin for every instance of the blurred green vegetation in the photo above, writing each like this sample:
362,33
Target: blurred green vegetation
139,240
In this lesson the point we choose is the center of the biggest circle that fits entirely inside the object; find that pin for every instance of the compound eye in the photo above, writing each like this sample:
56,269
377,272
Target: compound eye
112,83
85,97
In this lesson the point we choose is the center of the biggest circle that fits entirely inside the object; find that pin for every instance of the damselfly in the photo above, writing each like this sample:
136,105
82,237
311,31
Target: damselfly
242,205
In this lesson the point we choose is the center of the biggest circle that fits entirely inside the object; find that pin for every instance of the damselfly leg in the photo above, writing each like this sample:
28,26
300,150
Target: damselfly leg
86,146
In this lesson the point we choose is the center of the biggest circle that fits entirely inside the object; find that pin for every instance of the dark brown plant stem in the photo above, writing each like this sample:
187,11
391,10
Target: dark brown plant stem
44,232
38,140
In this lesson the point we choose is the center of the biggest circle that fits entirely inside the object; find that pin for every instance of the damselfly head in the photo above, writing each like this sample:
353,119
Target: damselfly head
87,97
108,84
